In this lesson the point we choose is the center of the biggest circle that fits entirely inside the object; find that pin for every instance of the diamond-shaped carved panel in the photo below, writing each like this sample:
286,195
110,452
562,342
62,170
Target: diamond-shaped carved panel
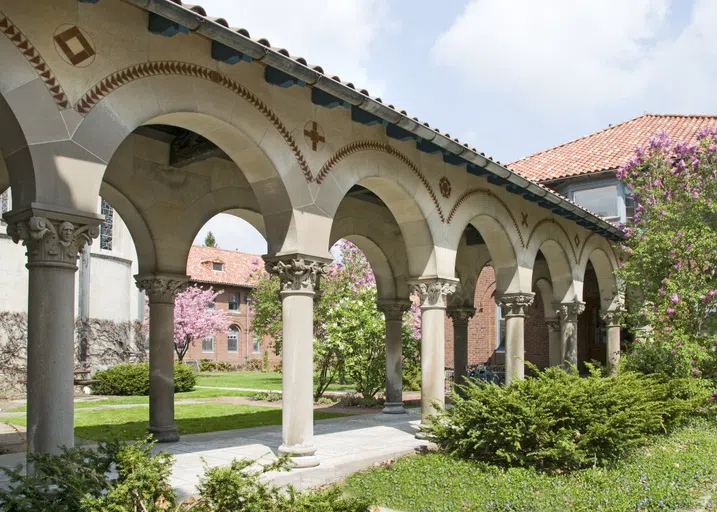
74,46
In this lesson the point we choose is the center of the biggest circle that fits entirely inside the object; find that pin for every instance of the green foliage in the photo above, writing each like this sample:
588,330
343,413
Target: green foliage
673,473
207,365
267,396
77,480
265,361
224,366
132,379
210,240
560,421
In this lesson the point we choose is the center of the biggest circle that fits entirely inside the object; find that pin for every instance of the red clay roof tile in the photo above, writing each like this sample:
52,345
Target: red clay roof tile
237,270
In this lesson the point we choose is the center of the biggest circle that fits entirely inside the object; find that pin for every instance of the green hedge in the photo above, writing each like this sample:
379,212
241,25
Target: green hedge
561,421
133,379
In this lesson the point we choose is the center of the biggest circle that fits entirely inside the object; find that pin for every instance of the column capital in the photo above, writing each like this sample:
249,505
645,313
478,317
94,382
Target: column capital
298,272
515,304
612,318
162,288
569,311
433,293
461,314
553,324
393,309
52,240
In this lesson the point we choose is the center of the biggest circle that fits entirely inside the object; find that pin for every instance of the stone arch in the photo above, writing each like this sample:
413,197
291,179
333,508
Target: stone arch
545,289
597,250
470,261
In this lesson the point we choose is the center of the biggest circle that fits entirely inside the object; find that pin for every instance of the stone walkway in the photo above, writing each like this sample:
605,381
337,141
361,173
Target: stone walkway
345,445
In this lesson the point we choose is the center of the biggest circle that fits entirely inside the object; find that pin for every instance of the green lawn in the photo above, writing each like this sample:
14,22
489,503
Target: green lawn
252,380
131,400
131,423
675,473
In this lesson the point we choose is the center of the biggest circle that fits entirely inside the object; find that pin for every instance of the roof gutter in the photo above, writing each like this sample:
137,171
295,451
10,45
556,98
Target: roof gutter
199,24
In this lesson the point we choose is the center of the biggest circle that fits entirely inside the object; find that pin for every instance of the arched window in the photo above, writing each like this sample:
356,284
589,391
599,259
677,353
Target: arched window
233,339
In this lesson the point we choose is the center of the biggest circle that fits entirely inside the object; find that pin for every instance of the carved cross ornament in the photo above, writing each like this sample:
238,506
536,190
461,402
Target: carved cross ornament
394,310
298,274
461,315
52,241
162,289
434,293
569,311
515,304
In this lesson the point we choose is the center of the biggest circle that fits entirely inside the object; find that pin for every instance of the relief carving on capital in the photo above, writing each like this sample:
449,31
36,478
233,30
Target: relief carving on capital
613,318
161,289
515,304
569,311
434,294
298,274
52,241
553,324
394,310
461,314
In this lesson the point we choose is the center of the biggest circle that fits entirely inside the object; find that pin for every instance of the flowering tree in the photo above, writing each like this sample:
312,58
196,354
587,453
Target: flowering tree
349,330
194,318
670,269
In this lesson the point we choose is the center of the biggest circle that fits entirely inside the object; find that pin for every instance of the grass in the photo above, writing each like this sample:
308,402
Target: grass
674,473
252,380
140,400
131,423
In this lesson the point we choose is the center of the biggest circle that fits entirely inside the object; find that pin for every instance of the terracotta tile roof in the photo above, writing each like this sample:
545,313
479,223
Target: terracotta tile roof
237,268
607,149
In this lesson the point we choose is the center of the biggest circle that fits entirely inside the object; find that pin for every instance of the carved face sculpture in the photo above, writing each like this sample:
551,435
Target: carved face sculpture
66,231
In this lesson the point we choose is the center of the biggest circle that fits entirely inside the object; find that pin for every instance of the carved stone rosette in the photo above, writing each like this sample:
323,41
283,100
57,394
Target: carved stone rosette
393,310
461,315
612,318
162,289
515,304
569,311
553,324
298,274
434,293
51,241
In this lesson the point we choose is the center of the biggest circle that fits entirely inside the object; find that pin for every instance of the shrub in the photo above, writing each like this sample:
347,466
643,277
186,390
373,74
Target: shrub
79,480
326,400
558,420
265,361
356,400
133,379
412,377
224,366
207,365
266,396
252,365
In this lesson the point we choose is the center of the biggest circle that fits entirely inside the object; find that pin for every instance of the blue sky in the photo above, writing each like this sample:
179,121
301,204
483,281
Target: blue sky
510,77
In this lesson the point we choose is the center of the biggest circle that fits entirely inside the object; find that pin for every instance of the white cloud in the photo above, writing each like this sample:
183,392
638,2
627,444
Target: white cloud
337,35
233,233
563,56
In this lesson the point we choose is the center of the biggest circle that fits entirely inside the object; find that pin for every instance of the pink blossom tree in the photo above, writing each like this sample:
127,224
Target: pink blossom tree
194,318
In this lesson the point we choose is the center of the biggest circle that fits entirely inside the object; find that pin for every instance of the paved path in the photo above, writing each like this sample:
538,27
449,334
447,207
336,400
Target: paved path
345,445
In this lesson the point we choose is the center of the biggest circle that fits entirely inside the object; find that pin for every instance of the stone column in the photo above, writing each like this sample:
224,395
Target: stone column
612,326
433,295
53,242
568,313
393,312
299,278
555,349
161,290
514,307
460,316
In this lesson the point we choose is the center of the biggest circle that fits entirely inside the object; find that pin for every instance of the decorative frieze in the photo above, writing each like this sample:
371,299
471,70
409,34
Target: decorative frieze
434,293
162,289
393,310
50,241
515,304
298,274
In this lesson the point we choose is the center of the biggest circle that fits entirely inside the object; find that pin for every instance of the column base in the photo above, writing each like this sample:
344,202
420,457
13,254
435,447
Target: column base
300,456
164,434
422,434
394,408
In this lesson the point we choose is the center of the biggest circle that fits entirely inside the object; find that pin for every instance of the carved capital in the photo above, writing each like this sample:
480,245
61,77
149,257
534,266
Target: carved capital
515,304
433,293
569,311
51,241
298,274
461,315
393,310
612,318
162,289
553,324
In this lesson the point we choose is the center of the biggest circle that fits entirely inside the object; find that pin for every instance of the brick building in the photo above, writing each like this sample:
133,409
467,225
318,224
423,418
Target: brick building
230,272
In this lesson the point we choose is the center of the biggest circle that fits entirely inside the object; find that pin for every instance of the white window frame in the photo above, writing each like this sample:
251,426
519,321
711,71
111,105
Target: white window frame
621,216
207,338
221,266
230,302
236,330
257,343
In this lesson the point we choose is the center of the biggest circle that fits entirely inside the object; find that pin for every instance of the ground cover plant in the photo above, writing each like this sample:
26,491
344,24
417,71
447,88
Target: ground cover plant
128,424
670,473
557,420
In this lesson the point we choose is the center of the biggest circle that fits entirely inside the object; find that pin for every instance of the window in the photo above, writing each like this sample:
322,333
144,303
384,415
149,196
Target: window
499,329
257,345
210,305
233,302
217,266
233,339
106,226
601,200
208,344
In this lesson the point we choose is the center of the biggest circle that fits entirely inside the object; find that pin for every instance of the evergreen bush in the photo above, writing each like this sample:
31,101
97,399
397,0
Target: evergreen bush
207,365
133,379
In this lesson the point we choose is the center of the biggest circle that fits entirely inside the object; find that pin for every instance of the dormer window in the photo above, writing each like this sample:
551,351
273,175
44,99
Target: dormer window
217,266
